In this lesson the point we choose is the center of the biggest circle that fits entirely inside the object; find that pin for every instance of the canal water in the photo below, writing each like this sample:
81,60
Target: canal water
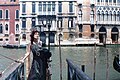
79,55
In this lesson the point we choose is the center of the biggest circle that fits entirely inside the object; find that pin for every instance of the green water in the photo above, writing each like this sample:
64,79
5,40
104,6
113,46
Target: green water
79,55
85,56
11,53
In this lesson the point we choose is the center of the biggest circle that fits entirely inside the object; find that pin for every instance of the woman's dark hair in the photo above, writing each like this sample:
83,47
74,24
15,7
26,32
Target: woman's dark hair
32,35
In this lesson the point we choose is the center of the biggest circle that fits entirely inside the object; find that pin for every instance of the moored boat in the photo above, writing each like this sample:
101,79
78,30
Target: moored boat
13,46
116,63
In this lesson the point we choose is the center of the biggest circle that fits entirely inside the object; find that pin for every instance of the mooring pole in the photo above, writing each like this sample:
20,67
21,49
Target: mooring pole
49,36
107,70
94,62
60,59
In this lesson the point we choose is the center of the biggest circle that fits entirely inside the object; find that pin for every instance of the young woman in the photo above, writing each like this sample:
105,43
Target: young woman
36,71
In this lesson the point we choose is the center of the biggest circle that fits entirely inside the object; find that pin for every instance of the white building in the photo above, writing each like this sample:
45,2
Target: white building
59,15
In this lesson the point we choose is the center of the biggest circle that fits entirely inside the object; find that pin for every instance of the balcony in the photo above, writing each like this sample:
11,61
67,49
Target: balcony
69,14
108,22
46,13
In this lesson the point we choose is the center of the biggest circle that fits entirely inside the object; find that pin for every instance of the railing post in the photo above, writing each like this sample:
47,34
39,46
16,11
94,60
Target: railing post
83,68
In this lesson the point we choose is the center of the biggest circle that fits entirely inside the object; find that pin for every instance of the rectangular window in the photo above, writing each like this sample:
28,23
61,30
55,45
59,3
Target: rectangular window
1,14
23,8
92,28
98,0
80,27
1,28
44,6
49,6
40,7
59,22
53,6
106,0
17,14
102,0
70,23
12,0
114,1
24,23
59,6
110,0
118,1
6,14
33,7
33,22
70,7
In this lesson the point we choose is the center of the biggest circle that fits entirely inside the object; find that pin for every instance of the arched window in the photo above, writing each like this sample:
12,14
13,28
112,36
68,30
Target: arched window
118,14
110,16
102,16
24,36
1,28
106,16
98,15
114,16
17,27
71,36
6,27
17,14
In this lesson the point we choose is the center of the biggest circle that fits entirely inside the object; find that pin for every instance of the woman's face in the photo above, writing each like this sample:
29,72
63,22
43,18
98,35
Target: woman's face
36,35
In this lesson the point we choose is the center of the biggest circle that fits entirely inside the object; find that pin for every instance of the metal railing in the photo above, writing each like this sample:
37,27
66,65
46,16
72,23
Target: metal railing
74,72
14,71
19,69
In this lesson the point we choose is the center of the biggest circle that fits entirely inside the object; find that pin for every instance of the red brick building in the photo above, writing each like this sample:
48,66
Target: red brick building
9,21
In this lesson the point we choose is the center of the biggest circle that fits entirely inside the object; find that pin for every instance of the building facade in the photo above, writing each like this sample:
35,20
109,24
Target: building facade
53,18
108,21
9,22
75,21
99,21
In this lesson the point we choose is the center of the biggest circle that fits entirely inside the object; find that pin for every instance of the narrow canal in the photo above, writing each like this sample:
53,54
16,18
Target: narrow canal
79,55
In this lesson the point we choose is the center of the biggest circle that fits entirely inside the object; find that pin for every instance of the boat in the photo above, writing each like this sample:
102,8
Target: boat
116,63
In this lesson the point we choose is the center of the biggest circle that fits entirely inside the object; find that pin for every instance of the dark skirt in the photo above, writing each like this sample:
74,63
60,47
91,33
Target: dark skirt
36,72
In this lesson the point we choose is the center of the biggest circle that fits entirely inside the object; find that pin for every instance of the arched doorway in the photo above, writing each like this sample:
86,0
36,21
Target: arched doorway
52,37
114,35
43,38
102,35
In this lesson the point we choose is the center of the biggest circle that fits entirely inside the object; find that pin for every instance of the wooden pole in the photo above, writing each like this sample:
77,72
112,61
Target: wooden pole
94,62
107,70
60,59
